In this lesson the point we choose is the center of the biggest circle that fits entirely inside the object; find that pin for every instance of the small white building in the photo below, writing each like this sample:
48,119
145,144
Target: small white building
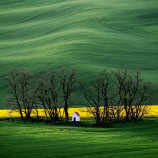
75,117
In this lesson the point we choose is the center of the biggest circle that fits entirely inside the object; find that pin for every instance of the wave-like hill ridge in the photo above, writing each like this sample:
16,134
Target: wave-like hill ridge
87,34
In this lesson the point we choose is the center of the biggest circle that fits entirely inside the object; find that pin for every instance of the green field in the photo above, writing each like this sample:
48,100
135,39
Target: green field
89,35
19,139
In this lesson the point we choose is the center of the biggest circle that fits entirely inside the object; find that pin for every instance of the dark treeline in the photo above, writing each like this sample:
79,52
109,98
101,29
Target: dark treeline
105,98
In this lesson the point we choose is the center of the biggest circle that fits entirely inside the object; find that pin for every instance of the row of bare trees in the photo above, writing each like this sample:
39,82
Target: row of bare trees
51,90
115,91
106,97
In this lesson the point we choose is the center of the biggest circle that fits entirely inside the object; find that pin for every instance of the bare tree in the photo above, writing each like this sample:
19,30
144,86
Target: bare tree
133,93
68,80
142,98
106,80
49,94
21,91
99,96
93,97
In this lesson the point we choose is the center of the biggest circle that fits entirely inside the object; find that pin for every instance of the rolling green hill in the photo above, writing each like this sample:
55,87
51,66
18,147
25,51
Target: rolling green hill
87,34
23,140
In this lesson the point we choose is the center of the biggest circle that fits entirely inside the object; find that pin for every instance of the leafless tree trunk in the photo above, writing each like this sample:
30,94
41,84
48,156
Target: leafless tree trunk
49,94
133,92
107,93
68,79
99,96
21,91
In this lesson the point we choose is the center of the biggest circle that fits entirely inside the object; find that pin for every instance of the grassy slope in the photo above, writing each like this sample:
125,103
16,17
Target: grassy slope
32,140
87,34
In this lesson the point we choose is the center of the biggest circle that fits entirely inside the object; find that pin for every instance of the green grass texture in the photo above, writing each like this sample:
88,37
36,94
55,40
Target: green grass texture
19,139
90,35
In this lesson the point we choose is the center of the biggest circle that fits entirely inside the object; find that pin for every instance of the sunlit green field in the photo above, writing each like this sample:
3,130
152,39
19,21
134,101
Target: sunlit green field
89,35
19,139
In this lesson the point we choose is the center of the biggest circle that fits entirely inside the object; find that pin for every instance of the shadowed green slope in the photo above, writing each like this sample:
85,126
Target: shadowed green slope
87,34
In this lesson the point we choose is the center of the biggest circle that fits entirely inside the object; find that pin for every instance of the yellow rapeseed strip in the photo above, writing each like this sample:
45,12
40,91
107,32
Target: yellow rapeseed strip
151,111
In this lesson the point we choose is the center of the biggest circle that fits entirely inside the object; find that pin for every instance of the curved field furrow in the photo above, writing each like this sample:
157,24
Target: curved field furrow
88,34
